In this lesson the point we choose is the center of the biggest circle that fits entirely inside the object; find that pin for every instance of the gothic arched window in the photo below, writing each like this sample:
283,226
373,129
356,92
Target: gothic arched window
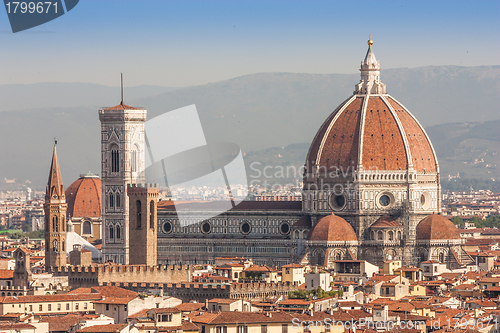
152,214
118,232
380,235
87,228
138,208
111,232
118,201
111,200
115,159
55,225
54,245
133,160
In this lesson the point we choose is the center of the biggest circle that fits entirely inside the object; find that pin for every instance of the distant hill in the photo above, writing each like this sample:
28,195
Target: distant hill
258,112
68,95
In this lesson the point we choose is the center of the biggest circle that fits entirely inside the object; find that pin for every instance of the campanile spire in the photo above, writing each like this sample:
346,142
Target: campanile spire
370,74
55,217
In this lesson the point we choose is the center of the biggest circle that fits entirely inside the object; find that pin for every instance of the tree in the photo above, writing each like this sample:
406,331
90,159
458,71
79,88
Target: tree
457,220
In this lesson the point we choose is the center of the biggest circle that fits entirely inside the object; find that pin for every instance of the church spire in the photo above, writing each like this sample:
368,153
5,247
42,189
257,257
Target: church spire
370,74
55,188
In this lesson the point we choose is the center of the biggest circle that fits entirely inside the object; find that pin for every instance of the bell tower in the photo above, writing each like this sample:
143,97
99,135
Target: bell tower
143,224
55,217
122,163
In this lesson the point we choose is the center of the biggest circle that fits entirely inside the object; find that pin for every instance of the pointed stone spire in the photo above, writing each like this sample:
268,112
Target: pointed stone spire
55,188
370,74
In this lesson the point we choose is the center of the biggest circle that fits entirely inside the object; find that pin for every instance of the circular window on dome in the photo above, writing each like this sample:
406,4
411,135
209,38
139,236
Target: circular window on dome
245,228
167,227
385,200
206,227
425,200
337,201
285,228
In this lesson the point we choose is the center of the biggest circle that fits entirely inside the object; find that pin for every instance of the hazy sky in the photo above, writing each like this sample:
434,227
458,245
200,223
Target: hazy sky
181,43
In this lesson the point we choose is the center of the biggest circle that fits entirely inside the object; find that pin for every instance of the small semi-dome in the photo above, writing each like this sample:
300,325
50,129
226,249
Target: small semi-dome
332,228
386,221
436,227
84,197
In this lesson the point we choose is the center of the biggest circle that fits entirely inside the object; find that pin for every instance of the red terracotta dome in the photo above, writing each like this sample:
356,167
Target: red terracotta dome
84,197
386,221
371,130
435,227
332,228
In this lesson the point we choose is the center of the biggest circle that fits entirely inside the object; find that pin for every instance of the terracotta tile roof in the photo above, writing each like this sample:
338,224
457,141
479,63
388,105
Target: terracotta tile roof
6,274
435,227
332,228
189,326
257,268
383,146
232,317
293,266
110,328
223,300
16,327
466,286
165,310
122,106
188,307
50,298
420,147
61,323
386,221
115,300
294,301
340,142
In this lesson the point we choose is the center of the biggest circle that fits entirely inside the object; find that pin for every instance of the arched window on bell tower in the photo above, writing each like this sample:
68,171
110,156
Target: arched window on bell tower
111,232
115,159
111,200
54,246
55,225
133,159
152,214
138,208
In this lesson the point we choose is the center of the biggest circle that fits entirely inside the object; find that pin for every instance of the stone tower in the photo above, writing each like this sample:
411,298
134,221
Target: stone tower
143,217
55,217
122,163
22,270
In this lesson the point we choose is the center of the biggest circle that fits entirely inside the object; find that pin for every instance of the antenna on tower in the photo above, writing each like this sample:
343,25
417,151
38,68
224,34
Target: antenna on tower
122,85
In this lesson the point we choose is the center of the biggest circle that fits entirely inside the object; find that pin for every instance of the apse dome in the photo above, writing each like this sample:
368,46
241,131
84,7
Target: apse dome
436,227
332,228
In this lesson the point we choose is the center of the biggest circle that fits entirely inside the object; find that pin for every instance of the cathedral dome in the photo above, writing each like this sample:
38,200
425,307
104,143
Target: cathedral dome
332,228
371,130
84,197
436,227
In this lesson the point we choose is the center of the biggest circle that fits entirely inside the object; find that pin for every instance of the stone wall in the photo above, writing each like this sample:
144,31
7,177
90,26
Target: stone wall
106,274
